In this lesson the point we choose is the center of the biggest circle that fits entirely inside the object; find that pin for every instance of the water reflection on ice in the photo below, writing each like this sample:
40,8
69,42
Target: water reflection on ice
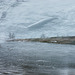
67,71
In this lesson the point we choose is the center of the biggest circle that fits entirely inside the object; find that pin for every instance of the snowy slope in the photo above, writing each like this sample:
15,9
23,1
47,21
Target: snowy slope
31,18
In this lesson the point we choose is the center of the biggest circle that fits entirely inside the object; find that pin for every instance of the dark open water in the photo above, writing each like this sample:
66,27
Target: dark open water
27,58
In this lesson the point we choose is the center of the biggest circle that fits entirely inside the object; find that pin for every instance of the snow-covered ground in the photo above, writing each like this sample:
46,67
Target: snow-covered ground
31,18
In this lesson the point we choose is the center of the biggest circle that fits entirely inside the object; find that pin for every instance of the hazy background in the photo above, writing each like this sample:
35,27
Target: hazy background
31,18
